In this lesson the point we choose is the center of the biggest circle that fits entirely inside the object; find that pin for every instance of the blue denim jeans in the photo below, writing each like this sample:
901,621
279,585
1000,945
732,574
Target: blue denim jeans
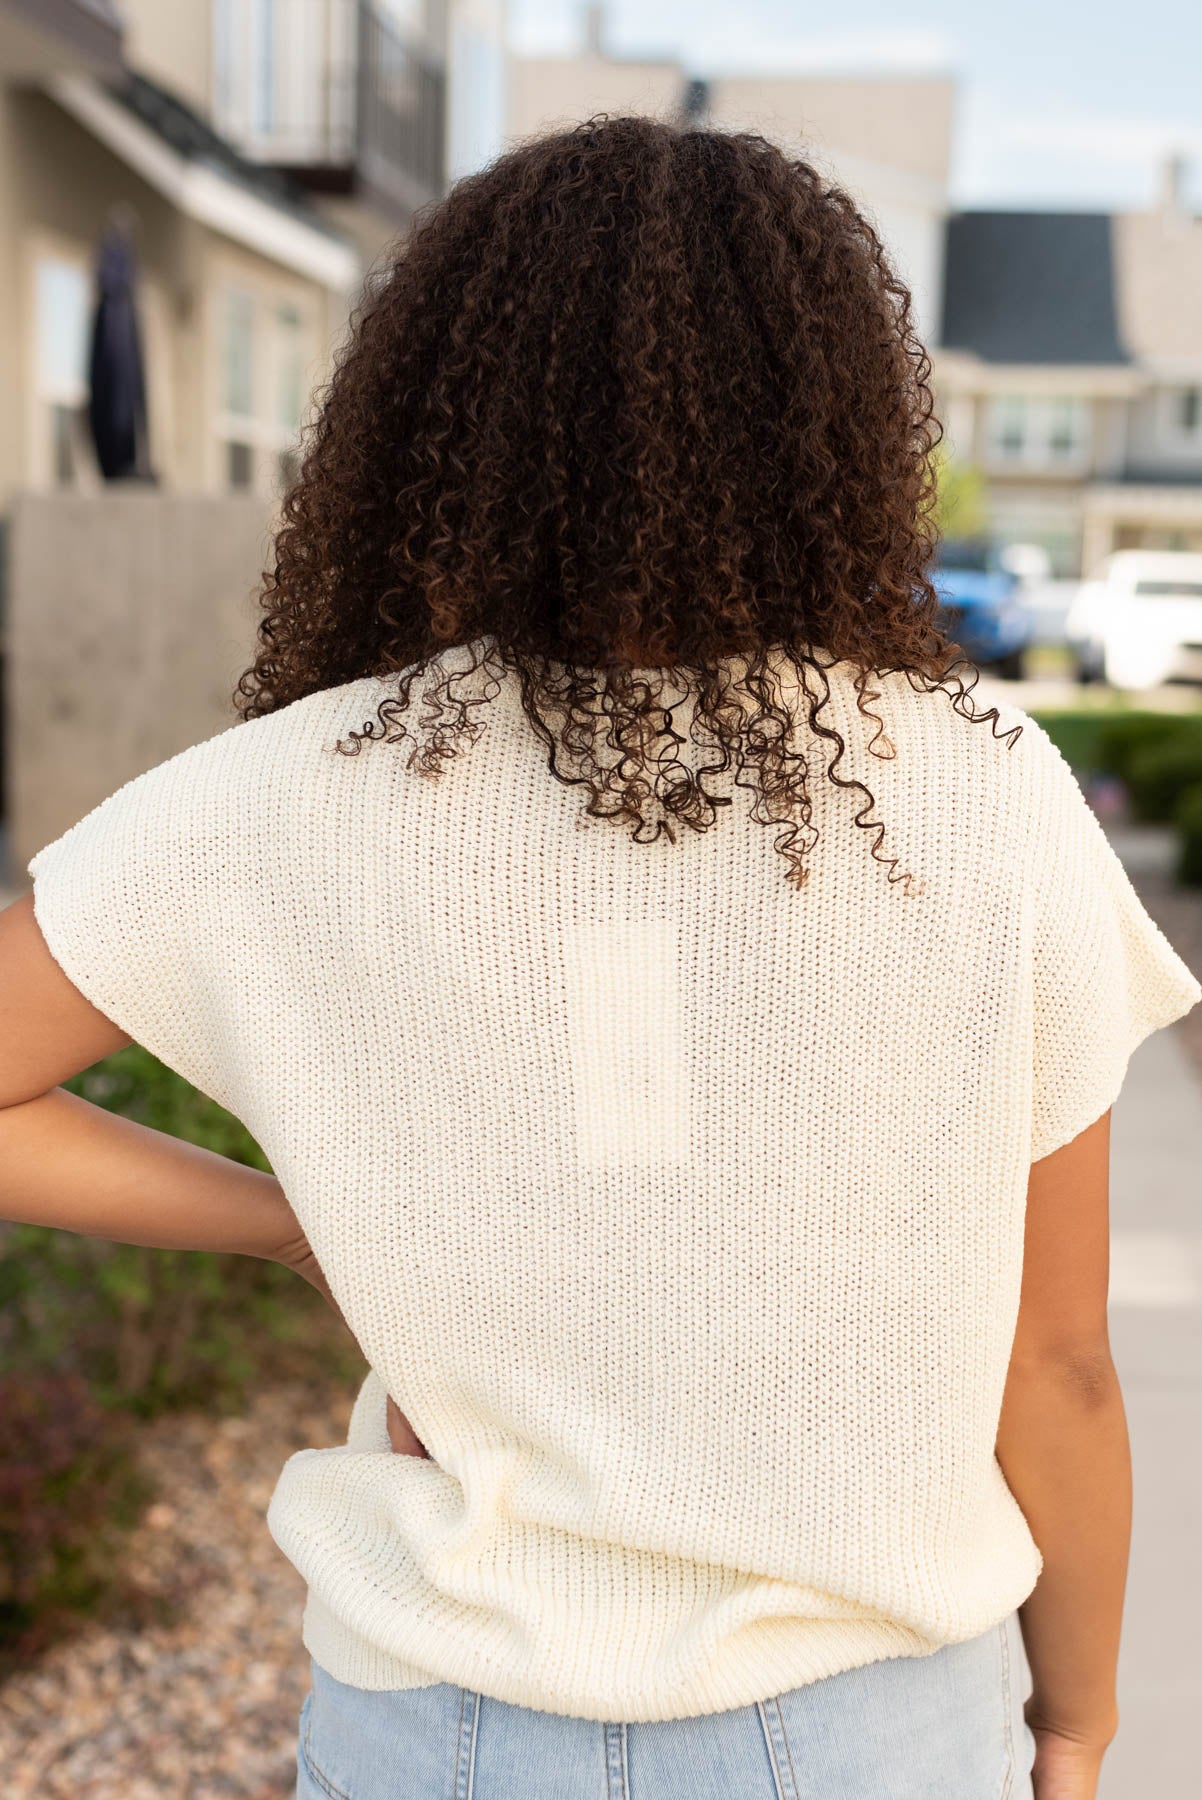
948,1726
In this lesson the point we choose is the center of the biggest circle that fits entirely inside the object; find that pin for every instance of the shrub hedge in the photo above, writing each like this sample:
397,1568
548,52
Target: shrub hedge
1159,772
1128,735
95,1336
1189,823
70,1489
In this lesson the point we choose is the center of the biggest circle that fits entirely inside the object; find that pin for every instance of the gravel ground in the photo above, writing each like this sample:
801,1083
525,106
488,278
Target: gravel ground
205,1705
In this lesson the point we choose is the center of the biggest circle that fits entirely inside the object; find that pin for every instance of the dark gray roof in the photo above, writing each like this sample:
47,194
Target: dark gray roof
1031,287
193,137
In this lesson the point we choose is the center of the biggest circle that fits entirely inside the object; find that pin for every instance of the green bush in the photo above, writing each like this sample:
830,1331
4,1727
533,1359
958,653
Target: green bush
1102,735
1127,735
1159,773
69,1491
156,1330
1189,821
96,1336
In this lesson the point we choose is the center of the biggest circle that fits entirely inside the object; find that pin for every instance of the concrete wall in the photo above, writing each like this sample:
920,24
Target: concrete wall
130,616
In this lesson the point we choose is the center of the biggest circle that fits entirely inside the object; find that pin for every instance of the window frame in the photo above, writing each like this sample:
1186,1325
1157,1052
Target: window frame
1039,412
268,439
42,406
1172,430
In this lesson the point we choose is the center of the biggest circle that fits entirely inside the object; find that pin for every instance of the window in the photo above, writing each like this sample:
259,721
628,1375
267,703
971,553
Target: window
240,465
1064,429
264,102
1186,589
265,351
1187,412
63,313
1010,427
289,369
1038,431
238,354
1053,525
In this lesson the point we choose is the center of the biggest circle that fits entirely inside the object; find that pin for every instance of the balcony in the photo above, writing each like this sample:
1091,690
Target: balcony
343,95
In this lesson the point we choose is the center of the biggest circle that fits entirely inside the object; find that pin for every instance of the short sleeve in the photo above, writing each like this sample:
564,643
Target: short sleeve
129,902
1104,974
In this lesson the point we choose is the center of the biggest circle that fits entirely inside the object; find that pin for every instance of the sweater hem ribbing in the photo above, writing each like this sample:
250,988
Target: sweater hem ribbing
792,1654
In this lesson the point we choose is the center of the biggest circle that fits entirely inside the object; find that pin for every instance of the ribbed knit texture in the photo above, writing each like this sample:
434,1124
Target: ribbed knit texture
679,1209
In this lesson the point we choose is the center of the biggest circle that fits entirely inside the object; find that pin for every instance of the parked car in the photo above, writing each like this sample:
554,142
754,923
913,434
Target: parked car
980,605
1138,622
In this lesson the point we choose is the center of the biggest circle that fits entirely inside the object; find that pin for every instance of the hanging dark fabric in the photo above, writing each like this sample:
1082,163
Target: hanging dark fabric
116,377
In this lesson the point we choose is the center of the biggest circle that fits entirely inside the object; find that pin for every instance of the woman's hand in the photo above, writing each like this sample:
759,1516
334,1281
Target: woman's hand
297,1254
1065,1768
401,1434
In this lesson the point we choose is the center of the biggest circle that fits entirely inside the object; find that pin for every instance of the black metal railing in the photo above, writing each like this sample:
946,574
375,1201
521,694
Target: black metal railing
339,94
400,111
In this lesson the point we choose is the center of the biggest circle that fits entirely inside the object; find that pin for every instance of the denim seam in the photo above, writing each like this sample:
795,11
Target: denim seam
465,1772
311,1768
785,1790
1008,1781
616,1771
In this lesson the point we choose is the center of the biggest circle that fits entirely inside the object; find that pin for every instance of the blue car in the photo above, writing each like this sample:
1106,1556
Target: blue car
979,606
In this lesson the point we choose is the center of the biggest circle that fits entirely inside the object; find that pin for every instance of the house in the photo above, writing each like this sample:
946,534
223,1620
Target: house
261,155
243,285
1069,371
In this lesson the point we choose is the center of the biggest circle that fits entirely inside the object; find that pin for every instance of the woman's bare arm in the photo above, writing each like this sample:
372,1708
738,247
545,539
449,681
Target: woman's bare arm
67,1163
1062,1444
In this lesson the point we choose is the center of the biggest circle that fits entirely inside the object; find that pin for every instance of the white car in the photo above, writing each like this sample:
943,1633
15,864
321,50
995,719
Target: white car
1138,622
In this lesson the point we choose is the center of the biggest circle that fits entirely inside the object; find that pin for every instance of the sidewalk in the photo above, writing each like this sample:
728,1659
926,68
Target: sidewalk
1156,1336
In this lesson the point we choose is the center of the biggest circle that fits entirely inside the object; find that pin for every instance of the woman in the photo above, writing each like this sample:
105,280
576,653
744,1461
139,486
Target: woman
695,1099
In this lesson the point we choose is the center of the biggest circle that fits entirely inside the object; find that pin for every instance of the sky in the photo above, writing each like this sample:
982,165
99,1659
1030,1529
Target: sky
1060,103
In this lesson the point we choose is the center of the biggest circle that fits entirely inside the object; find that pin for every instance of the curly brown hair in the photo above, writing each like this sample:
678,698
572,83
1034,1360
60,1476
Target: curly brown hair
636,400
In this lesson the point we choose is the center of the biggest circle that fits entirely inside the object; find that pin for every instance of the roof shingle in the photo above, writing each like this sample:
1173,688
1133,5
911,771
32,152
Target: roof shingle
1026,287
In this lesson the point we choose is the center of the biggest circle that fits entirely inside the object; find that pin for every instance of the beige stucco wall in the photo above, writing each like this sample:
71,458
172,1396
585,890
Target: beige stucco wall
900,122
12,380
545,92
171,41
130,617
1158,277
1155,441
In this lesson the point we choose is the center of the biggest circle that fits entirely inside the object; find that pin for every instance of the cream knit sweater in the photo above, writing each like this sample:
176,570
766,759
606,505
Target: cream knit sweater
681,1210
